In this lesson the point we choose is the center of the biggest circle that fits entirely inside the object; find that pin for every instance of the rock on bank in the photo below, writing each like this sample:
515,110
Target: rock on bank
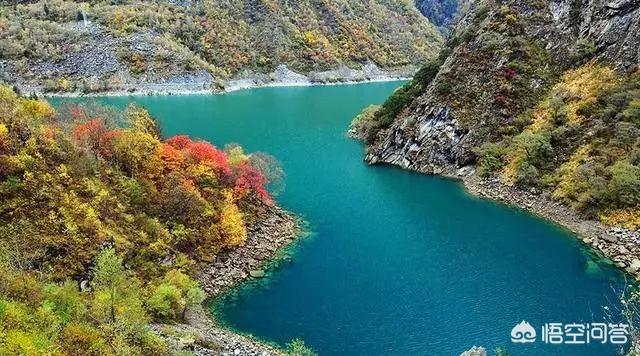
201,334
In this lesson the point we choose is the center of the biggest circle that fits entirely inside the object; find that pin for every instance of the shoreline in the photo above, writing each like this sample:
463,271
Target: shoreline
202,83
617,244
181,89
269,236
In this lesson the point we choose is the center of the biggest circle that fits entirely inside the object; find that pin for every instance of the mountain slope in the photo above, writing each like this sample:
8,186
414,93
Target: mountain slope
48,43
538,95
441,12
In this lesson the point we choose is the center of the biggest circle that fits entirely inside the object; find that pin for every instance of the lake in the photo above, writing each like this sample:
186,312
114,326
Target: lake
398,263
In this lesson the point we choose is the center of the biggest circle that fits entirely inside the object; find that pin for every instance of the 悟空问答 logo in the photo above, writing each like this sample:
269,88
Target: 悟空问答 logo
523,333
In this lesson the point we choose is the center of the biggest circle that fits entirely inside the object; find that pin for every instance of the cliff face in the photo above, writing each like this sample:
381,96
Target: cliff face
502,58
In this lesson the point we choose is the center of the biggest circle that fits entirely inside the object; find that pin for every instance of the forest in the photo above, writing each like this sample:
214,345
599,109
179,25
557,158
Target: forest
157,39
104,223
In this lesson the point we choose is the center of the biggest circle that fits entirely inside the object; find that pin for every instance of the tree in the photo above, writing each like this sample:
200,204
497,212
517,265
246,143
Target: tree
205,153
138,154
235,155
232,223
165,301
174,296
249,180
624,187
536,146
5,140
363,125
632,112
297,347
141,121
117,294
626,134
490,158
270,169
195,296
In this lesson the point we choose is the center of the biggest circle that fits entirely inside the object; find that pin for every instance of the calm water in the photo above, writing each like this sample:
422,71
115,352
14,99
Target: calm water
399,263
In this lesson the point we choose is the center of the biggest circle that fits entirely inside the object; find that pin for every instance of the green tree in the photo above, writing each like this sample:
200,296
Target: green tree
117,293
537,147
175,295
624,187
297,347
490,158
632,112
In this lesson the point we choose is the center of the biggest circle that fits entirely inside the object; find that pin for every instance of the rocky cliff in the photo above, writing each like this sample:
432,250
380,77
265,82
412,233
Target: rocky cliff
503,58
536,104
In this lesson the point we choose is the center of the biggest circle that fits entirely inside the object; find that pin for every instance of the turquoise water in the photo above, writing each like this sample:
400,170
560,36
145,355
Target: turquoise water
399,263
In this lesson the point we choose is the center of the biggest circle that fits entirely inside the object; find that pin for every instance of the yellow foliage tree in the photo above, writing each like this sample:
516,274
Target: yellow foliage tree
577,88
4,137
628,218
231,222
36,109
235,156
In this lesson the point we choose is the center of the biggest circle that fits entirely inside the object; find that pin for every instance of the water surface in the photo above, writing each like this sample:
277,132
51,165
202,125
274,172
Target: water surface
399,263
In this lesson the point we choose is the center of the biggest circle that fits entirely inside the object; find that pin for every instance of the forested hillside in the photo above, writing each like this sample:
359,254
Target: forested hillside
543,98
441,12
98,45
103,224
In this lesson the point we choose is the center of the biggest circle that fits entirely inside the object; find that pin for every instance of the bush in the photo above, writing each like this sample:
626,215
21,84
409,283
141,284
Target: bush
81,339
364,125
177,292
297,347
490,159
624,188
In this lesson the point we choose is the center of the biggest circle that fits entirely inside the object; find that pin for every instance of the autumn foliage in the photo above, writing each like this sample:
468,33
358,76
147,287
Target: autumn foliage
92,194
74,181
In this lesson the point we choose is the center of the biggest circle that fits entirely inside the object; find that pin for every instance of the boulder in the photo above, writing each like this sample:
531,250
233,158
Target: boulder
257,273
475,351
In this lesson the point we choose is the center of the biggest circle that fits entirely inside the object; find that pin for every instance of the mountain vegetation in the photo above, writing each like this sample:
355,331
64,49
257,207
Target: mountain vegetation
96,198
525,96
158,39
441,12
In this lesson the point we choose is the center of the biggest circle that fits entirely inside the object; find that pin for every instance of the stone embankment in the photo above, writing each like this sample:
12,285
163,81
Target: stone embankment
200,333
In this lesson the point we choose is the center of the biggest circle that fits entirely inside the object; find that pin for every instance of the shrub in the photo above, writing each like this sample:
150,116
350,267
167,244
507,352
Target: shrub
364,125
490,156
177,292
624,187
81,339
297,347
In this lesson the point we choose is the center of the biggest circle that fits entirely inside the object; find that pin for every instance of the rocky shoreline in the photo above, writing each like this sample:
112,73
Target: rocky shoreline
202,83
202,334
445,155
618,244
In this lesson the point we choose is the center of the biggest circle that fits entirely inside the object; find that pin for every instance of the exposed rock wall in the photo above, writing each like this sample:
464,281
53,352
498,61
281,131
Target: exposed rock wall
430,141
613,26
